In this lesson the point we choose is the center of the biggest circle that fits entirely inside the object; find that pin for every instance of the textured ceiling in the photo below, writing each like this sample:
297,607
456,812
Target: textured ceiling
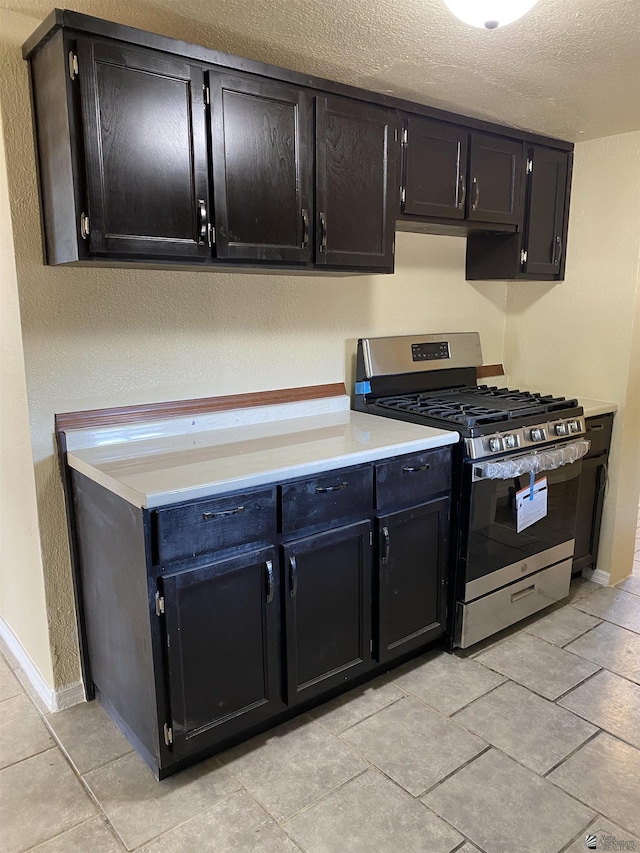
570,68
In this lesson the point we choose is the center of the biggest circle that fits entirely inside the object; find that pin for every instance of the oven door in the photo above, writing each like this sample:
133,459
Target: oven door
519,516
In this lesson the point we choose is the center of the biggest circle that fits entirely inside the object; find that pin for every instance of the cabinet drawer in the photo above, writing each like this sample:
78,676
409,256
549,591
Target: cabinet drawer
413,479
599,433
213,525
320,500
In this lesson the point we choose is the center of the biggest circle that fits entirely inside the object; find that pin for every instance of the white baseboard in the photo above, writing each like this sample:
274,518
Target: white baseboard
53,700
597,576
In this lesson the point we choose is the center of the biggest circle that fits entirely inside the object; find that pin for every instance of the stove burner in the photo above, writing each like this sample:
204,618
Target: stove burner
478,405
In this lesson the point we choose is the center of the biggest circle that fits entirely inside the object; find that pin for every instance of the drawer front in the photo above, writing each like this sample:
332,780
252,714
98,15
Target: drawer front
599,433
506,606
336,495
413,479
214,525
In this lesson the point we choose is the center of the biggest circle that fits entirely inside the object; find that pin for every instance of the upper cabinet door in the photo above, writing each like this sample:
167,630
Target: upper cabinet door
262,169
145,152
435,169
545,211
495,179
356,178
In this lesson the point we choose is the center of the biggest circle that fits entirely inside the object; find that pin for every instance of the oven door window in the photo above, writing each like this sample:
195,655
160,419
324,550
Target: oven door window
493,541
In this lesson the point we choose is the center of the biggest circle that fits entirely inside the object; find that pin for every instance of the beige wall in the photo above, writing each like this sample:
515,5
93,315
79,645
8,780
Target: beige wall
581,336
110,337
22,602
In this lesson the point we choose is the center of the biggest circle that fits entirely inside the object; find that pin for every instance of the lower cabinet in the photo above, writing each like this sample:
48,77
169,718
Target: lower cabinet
209,620
328,609
222,645
412,579
591,492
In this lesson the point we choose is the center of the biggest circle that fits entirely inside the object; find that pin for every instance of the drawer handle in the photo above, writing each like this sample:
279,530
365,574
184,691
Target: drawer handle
387,544
210,516
412,469
516,596
320,490
271,585
293,577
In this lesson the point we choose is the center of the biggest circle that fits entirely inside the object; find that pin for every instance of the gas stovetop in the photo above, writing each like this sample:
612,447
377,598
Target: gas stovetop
479,406
432,380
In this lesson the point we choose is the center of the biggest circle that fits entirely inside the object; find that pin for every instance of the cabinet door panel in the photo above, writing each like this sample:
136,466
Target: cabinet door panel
435,169
261,136
545,216
356,173
412,573
327,593
593,479
145,152
222,648
495,179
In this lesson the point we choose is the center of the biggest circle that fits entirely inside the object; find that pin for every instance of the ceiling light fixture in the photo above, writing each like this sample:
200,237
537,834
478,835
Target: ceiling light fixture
489,14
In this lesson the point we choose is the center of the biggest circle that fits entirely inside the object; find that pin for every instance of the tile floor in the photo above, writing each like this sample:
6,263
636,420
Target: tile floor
528,742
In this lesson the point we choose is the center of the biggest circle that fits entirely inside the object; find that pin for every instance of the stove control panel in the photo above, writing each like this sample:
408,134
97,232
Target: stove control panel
530,436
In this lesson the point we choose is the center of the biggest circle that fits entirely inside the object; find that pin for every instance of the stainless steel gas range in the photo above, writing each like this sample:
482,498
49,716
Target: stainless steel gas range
516,474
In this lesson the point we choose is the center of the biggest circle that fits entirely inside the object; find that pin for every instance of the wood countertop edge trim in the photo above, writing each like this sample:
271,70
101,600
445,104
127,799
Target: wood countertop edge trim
180,408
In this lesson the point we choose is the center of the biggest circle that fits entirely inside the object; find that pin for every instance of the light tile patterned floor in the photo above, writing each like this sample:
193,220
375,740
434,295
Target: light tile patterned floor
527,743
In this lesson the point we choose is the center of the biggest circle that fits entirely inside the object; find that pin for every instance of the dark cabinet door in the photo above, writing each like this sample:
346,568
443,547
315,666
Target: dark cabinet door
593,480
222,627
545,211
327,594
145,151
495,179
356,179
435,169
262,169
412,571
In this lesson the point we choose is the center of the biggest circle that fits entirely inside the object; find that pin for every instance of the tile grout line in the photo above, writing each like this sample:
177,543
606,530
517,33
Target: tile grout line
579,683
573,752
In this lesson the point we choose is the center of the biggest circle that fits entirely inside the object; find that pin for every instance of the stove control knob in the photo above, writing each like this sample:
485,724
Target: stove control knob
562,429
510,441
575,426
495,444
537,434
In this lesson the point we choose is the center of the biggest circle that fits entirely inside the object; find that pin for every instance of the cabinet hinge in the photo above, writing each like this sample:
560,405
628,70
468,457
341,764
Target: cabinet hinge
405,136
84,225
523,257
206,95
159,604
168,734
73,65
211,234
529,166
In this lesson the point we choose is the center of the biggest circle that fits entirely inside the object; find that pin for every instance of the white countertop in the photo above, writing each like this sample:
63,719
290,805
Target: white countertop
185,459
596,407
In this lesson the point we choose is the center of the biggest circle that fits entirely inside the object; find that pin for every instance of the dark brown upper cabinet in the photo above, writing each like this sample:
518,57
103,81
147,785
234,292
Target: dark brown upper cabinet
145,153
538,251
261,135
356,174
451,174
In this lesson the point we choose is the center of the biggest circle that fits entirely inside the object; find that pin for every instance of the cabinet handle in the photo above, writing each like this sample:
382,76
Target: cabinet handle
411,469
210,516
293,577
305,228
387,544
595,428
605,479
557,254
321,490
203,220
476,197
462,192
271,585
323,232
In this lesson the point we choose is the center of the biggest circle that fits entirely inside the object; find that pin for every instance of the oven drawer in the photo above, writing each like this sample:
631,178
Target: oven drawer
506,606
214,525
413,479
345,493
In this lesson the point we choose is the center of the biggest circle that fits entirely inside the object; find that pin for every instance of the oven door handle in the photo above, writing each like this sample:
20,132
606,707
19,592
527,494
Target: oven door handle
545,459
